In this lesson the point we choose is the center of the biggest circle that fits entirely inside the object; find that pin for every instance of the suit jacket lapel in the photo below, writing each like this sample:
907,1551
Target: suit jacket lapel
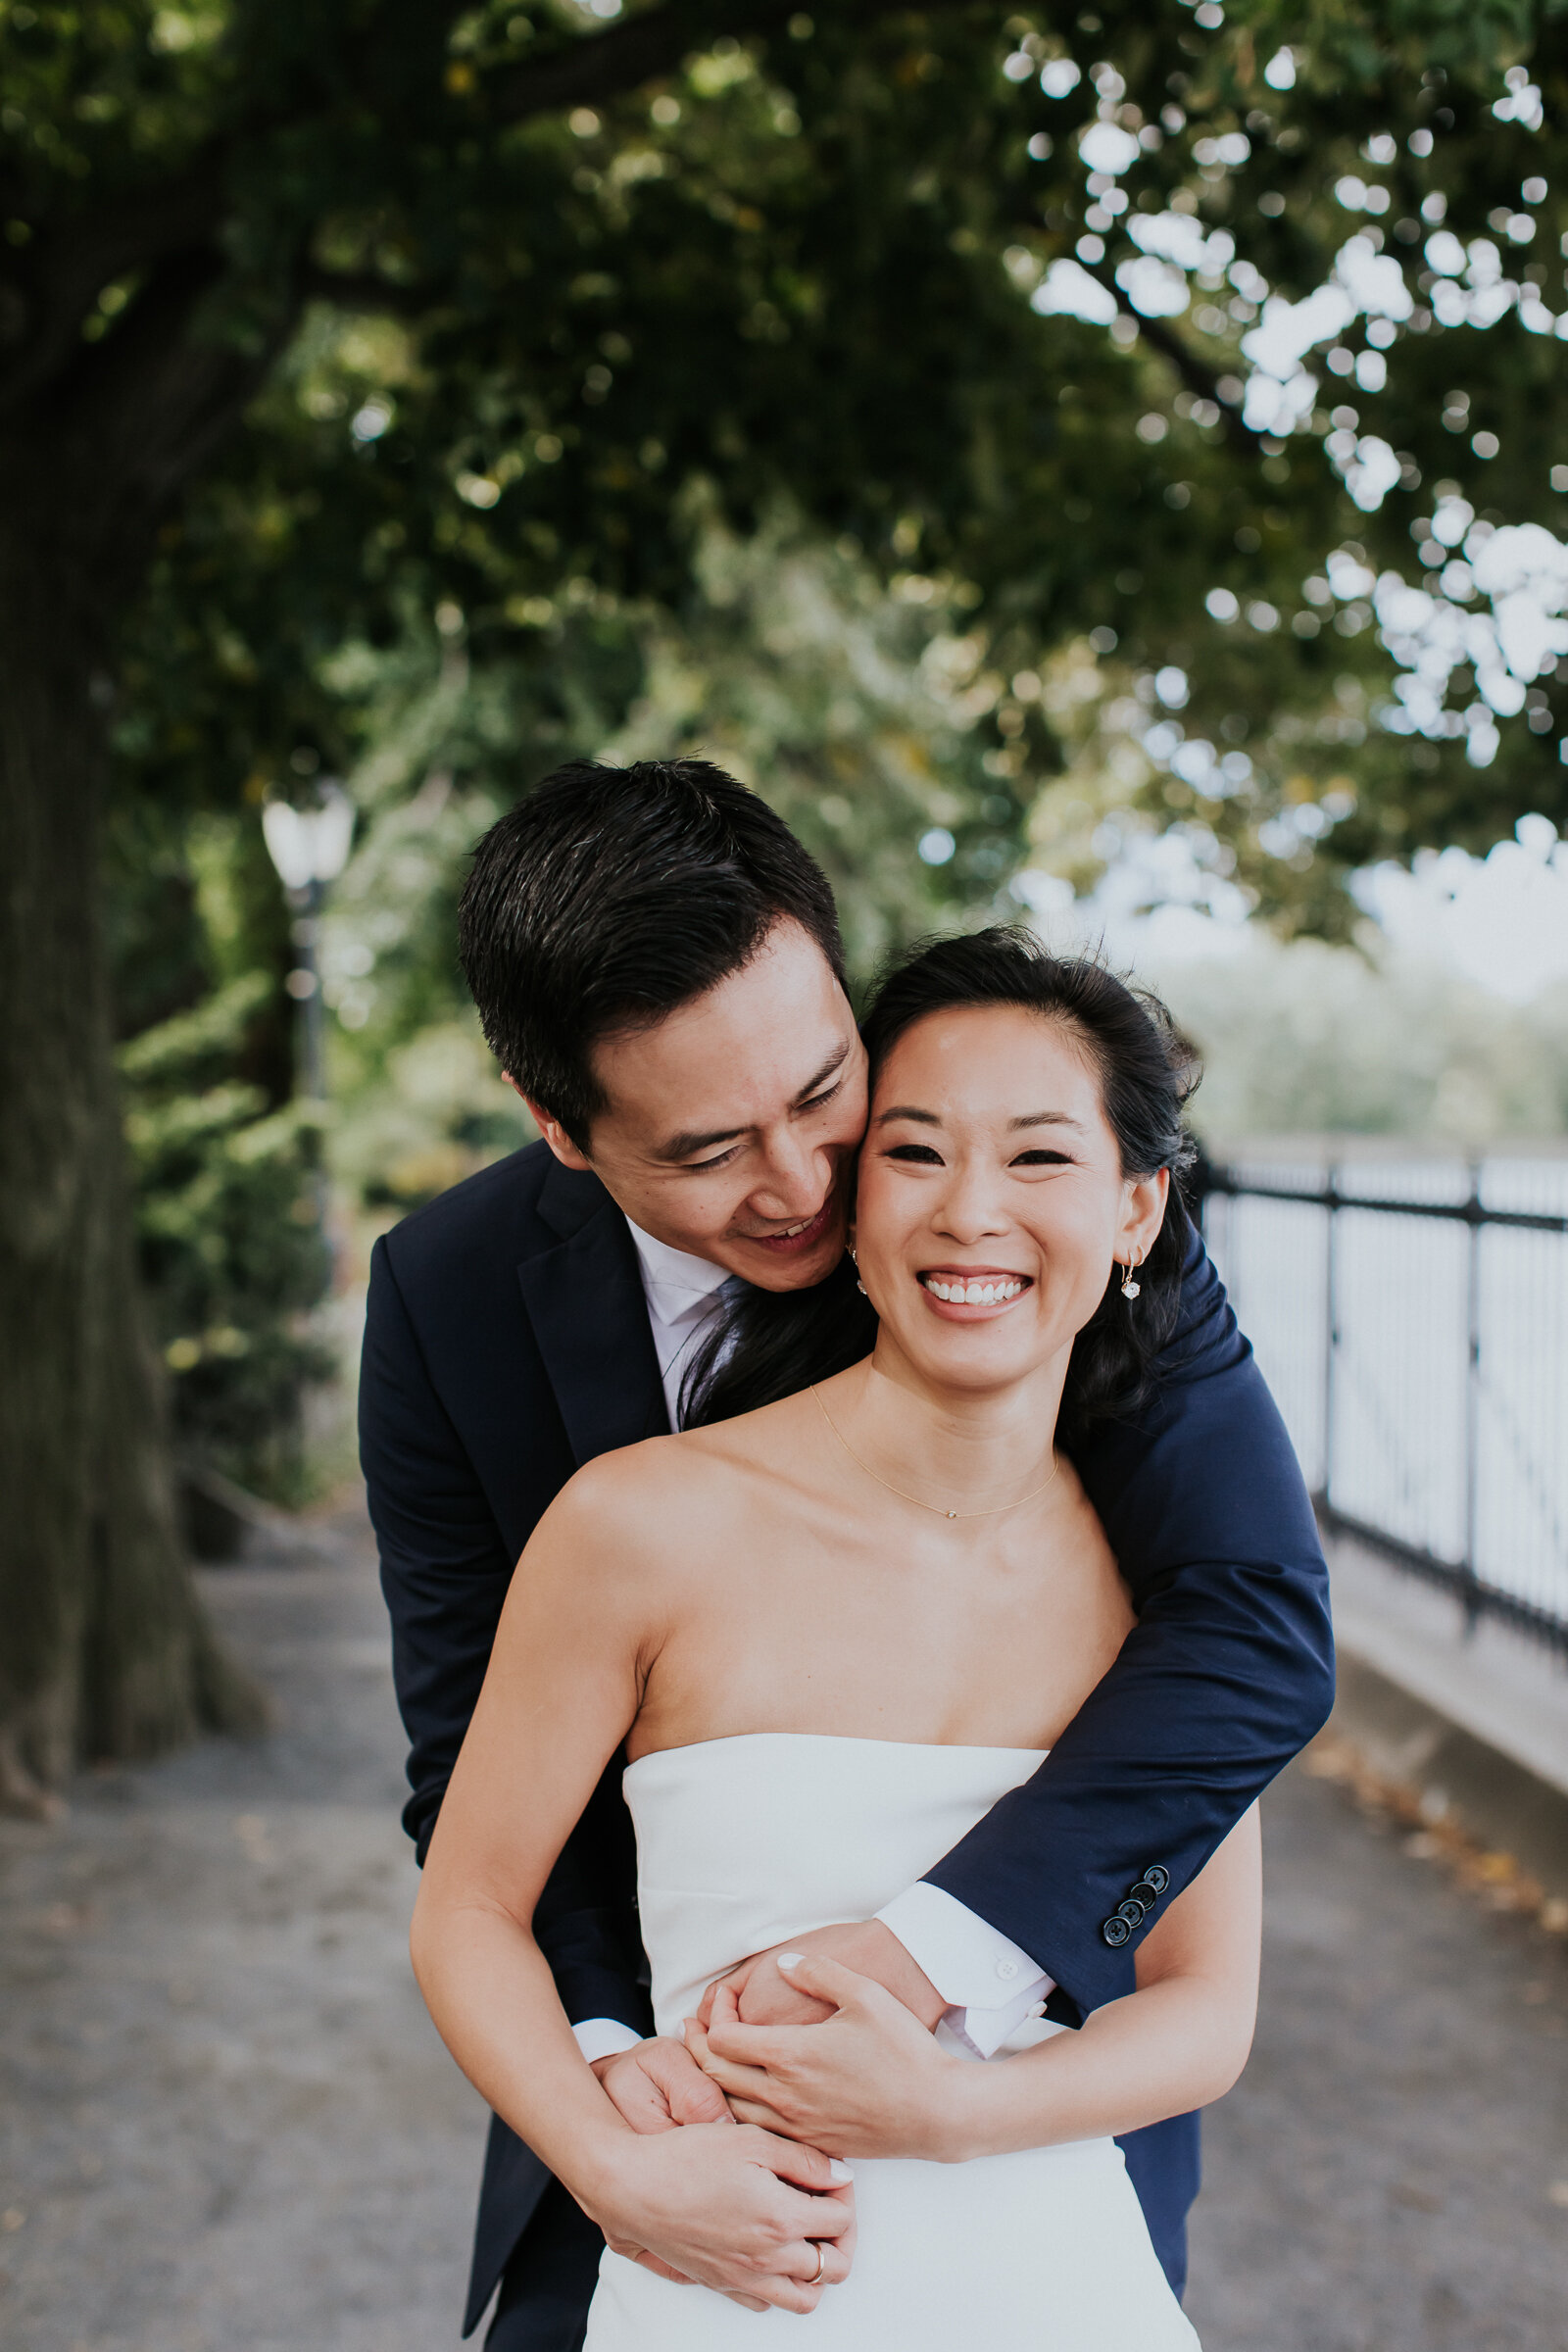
585,1303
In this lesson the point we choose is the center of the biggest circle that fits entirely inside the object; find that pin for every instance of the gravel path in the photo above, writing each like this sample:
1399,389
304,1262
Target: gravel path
226,2125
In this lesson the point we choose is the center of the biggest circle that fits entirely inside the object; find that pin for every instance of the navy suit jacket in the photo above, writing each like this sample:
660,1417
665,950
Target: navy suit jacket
508,1343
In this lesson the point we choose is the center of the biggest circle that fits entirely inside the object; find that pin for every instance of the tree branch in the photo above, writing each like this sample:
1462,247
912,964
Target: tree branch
645,47
55,286
171,230
59,277
1196,374
136,415
69,263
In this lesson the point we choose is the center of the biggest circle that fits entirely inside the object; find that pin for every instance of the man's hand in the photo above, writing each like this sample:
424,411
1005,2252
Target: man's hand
767,1997
870,2082
660,2085
736,2209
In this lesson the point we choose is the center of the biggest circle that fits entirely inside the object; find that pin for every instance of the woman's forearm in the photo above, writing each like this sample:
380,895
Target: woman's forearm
870,2082
1161,2051
1176,2043
732,2209
489,1990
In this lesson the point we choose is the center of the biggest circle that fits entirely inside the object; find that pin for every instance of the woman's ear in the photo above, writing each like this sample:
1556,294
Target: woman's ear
1142,1214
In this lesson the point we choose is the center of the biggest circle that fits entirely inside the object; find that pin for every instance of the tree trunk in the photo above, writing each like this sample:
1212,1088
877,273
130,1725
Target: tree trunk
104,1651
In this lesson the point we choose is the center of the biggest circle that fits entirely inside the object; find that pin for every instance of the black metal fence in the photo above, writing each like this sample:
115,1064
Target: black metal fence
1411,1317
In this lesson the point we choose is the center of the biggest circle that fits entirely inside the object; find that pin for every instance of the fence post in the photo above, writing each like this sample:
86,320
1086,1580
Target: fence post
1331,1336
1472,1401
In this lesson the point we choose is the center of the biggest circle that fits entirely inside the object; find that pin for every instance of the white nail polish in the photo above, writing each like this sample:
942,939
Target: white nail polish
838,2169
791,1959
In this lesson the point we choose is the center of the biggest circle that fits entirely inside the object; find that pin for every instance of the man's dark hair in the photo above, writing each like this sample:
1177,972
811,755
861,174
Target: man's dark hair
609,897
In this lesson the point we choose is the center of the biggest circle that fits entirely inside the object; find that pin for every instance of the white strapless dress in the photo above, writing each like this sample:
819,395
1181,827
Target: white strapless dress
744,1842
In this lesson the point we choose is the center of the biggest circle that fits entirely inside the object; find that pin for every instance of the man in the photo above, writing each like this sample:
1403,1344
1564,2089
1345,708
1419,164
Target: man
658,967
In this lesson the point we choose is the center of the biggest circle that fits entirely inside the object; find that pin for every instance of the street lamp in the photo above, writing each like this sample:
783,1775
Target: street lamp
309,848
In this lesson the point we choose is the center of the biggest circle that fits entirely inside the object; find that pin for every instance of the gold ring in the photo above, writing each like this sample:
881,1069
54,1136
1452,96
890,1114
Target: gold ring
818,2274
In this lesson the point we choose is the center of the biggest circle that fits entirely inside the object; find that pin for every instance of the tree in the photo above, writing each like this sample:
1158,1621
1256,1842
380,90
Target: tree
314,317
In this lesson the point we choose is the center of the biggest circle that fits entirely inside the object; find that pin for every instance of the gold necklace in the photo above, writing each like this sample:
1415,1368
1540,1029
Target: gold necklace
918,1500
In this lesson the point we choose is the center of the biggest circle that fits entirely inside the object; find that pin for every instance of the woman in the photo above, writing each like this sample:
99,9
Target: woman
832,1632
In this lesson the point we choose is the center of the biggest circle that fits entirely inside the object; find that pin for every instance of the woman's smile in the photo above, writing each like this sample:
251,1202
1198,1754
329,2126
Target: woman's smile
972,1293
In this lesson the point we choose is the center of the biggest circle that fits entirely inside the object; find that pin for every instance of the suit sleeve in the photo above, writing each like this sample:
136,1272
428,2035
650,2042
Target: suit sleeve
1226,1674
445,1573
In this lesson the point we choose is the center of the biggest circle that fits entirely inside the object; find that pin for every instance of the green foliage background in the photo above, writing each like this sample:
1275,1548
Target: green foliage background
226,1164
679,383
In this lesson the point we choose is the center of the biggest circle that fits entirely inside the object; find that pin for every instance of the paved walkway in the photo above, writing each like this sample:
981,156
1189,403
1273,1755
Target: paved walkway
226,2122
227,2126
1383,2177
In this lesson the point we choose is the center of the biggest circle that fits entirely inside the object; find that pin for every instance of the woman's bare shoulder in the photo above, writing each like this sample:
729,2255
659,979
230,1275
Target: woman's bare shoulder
616,1492
613,1550
645,1493
760,1440
651,1502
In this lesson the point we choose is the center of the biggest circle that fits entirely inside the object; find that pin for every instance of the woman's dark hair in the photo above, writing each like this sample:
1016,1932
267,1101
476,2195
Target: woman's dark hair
774,1343
609,897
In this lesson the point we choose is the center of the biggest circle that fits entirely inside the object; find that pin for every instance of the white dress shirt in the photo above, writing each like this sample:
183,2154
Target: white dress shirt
683,1295
991,1984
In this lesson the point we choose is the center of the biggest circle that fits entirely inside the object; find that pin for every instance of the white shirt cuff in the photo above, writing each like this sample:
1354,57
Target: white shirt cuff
988,1983
604,2037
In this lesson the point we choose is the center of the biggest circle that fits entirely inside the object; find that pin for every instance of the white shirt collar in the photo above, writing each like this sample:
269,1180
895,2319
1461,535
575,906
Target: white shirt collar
677,1285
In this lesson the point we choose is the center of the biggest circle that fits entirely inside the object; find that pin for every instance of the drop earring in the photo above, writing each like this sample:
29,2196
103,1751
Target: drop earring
1129,1288
859,1283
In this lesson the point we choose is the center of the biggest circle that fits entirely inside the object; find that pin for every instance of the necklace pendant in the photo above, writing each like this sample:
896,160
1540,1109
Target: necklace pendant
952,1514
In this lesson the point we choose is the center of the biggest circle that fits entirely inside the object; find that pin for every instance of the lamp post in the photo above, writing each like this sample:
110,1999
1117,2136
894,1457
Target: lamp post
309,848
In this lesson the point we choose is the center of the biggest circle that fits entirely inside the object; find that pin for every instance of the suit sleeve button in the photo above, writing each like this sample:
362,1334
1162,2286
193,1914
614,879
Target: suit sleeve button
1157,1877
1115,1931
1132,1911
1145,1892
